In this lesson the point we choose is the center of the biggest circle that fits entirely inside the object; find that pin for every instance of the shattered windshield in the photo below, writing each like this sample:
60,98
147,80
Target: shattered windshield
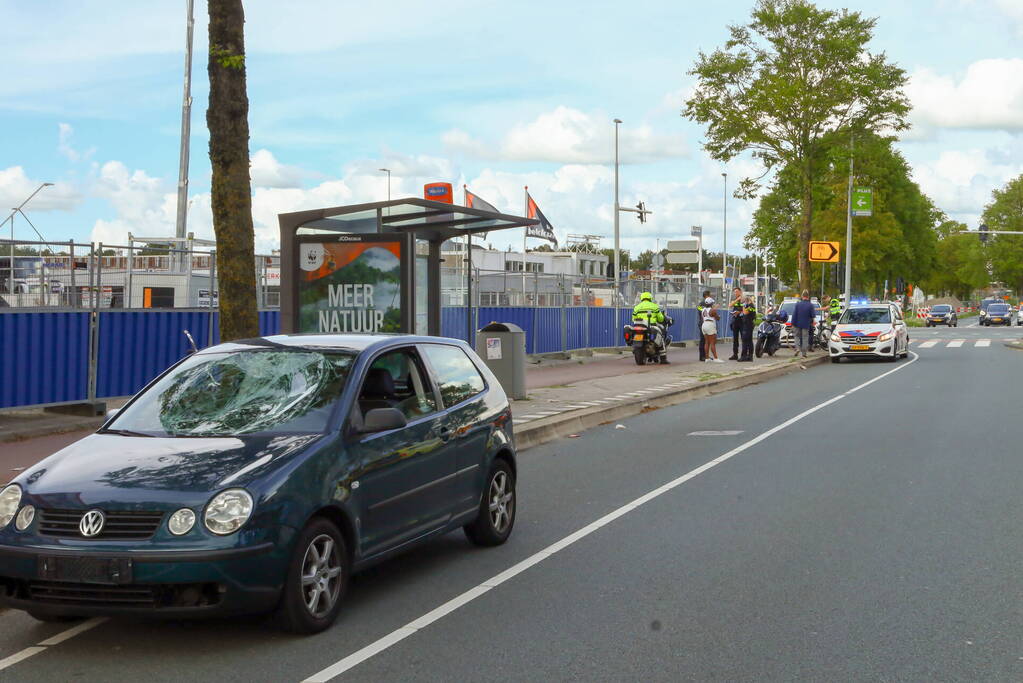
226,394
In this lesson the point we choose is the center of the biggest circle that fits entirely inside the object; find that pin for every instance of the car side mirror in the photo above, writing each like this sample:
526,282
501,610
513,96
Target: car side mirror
383,419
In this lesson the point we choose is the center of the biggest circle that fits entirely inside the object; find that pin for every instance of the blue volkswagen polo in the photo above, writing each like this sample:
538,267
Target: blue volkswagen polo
258,475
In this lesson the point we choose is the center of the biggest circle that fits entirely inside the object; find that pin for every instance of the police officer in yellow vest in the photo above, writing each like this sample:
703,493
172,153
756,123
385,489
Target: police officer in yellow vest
835,310
648,310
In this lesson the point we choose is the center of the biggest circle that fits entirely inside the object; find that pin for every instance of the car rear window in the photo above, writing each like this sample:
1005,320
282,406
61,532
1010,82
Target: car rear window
456,374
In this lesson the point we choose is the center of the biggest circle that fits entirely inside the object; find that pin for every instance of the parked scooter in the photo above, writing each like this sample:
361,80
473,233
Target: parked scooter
649,341
769,335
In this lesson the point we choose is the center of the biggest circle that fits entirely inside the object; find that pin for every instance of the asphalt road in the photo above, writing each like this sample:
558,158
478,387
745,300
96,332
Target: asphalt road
875,538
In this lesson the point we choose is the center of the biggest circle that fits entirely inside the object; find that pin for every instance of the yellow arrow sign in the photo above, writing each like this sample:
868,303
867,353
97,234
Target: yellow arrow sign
824,252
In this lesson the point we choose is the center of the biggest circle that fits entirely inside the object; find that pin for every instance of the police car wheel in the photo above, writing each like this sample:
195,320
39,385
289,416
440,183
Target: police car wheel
835,359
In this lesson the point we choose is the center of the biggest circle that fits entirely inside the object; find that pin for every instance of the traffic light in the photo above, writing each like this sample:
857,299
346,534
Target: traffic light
642,212
983,232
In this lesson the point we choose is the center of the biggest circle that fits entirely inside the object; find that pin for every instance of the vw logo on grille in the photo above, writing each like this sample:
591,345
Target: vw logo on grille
92,523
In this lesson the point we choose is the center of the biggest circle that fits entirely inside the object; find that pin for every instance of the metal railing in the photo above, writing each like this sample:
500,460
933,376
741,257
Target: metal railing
70,275
555,290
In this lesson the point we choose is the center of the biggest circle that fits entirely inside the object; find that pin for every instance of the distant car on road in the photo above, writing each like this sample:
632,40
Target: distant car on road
942,314
257,476
870,331
997,314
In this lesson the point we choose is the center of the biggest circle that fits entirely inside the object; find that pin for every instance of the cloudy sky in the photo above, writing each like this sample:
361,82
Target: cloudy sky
495,95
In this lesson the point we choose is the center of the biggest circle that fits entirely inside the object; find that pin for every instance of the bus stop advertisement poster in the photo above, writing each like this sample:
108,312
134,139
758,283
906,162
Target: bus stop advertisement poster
352,285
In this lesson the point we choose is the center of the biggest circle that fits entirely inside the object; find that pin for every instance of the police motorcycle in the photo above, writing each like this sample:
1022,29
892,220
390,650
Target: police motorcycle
649,340
769,334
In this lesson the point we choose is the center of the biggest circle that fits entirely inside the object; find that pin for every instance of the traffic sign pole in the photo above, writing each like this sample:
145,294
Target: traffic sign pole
848,229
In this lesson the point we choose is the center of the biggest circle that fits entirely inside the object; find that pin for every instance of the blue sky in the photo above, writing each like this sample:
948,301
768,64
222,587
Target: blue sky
496,95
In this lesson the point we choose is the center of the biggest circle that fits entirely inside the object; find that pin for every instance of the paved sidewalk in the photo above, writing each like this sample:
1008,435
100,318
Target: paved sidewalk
609,378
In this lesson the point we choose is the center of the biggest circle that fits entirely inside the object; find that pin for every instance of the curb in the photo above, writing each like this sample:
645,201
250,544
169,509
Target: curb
554,427
62,428
1018,345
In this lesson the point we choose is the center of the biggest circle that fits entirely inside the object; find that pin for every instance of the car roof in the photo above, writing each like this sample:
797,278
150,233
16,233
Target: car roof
327,341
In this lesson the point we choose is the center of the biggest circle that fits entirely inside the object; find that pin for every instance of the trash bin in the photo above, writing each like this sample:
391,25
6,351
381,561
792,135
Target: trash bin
502,346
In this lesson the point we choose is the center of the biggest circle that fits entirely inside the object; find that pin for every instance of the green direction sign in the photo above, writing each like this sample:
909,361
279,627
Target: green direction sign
862,202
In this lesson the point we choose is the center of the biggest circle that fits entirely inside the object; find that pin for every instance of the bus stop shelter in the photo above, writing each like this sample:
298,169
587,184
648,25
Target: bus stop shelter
375,267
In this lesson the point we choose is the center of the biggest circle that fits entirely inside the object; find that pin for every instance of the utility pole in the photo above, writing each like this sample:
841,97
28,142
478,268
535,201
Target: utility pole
186,126
724,238
848,228
617,245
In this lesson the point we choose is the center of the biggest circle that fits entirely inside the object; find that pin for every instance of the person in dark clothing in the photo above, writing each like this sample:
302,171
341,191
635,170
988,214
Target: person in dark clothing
699,320
735,306
803,317
749,317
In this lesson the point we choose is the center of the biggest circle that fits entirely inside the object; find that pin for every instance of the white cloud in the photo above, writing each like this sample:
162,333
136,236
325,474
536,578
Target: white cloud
64,132
570,136
989,96
16,186
961,182
266,171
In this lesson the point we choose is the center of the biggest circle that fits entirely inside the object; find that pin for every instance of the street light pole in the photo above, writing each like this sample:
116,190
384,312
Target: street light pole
17,209
724,237
848,230
617,259
388,172
186,127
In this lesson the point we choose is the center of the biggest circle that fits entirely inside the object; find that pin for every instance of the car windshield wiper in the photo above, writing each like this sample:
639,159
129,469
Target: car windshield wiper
123,432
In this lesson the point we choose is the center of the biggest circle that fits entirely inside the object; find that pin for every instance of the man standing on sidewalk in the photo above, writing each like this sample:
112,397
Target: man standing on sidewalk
802,323
699,326
749,318
735,306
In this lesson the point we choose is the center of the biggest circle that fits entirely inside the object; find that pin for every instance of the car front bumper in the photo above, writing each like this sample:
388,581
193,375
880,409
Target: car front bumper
49,580
884,349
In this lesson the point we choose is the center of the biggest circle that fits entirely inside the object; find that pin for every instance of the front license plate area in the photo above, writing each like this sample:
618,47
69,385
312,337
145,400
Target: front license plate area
109,571
860,347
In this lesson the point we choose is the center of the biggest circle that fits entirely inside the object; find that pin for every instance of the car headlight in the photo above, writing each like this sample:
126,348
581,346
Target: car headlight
10,498
25,517
181,522
886,336
228,511
835,337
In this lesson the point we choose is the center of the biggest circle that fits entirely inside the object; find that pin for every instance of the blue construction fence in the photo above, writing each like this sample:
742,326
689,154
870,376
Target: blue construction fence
45,357
576,327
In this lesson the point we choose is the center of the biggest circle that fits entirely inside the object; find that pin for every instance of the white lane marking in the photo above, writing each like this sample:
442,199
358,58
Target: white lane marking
955,344
928,344
52,640
983,342
722,432
450,606
74,631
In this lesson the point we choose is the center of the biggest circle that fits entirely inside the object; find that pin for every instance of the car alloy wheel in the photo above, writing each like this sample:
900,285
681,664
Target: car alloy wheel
502,502
321,576
496,515
317,578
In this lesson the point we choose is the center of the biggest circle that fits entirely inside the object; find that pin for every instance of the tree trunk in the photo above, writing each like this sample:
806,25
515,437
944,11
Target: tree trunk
805,233
228,121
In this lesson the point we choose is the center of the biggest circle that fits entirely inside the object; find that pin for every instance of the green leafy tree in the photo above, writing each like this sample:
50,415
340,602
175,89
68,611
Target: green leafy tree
783,88
899,240
230,188
961,262
1005,212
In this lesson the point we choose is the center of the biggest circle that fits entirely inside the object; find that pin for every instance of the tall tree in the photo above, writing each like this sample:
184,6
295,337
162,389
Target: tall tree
784,85
961,262
899,240
231,190
1005,212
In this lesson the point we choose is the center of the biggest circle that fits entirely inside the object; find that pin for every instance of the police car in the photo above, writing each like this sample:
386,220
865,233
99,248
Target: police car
870,331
